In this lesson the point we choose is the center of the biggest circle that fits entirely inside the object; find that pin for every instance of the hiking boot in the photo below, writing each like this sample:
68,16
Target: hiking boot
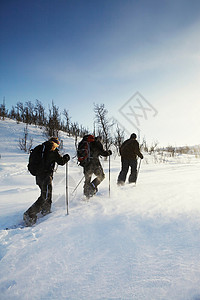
46,208
91,190
120,182
94,189
46,211
29,221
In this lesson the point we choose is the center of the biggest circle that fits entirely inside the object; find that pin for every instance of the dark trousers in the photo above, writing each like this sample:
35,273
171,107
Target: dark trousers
43,203
125,164
94,167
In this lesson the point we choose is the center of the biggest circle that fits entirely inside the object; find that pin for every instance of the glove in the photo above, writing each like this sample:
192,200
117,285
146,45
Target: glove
66,158
109,152
141,156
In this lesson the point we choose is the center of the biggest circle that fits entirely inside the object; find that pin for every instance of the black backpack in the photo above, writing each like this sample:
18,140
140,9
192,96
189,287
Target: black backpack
37,160
83,152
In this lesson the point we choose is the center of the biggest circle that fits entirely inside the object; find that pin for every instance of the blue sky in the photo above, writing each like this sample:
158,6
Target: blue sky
78,53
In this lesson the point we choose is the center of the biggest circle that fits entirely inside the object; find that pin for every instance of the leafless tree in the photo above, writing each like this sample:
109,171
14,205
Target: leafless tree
53,123
104,124
39,114
3,110
20,111
118,137
67,119
23,142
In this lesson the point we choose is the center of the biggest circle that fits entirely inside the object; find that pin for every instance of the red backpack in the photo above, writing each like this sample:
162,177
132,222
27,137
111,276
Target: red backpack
83,152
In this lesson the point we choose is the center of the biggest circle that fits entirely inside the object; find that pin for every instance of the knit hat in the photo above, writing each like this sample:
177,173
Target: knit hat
133,136
55,140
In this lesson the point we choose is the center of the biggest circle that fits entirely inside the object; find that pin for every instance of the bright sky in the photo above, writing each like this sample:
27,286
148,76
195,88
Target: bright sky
139,58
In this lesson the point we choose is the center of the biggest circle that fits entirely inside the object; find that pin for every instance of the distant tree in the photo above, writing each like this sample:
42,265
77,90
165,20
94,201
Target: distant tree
3,110
20,111
104,124
12,114
144,145
75,131
171,150
23,142
67,119
29,113
39,113
153,147
53,123
118,138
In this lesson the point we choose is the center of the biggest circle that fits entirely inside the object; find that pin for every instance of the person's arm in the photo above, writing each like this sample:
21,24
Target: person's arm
101,151
61,160
137,148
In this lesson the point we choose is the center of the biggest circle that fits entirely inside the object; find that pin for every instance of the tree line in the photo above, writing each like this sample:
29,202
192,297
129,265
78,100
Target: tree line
54,121
36,114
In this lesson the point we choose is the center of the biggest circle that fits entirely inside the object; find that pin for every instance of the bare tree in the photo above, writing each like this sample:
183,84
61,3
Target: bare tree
153,147
144,145
103,123
67,118
28,112
118,138
3,110
20,111
23,142
39,114
53,123
12,114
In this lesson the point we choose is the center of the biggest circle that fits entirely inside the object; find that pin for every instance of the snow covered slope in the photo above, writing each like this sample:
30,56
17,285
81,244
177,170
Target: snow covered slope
140,243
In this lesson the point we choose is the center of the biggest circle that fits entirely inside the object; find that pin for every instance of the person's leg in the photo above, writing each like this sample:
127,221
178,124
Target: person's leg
99,173
47,196
43,203
133,175
30,216
123,172
88,175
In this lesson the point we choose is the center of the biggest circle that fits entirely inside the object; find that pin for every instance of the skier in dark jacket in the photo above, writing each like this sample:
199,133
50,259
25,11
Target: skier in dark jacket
44,181
93,166
129,151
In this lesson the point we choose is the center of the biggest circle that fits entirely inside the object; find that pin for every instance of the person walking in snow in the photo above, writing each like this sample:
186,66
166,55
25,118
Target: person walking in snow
93,166
44,180
129,151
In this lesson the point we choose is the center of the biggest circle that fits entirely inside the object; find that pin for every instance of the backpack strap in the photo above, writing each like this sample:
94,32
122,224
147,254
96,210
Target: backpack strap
43,149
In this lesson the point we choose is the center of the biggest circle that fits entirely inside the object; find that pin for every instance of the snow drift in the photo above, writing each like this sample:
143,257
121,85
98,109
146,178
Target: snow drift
140,243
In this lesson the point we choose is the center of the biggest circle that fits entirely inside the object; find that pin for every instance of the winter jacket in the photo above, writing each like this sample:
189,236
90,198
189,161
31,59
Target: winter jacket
50,158
96,150
130,150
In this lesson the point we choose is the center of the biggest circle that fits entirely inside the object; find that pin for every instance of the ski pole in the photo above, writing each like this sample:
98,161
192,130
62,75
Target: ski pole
67,196
78,185
109,175
138,170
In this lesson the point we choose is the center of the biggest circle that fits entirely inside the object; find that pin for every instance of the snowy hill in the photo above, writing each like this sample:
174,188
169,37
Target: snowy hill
140,243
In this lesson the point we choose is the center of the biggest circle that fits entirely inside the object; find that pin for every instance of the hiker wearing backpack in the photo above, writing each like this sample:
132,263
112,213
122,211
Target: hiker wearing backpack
129,151
89,150
41,164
